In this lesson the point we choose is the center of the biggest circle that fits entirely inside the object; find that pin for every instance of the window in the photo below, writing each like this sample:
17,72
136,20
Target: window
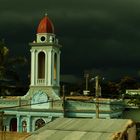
41,65
42,38
39,123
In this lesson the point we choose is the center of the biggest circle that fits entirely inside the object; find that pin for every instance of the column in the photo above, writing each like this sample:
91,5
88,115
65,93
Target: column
52,67
18,123
58,68
36,67
28,123
49,68
32,66
46,68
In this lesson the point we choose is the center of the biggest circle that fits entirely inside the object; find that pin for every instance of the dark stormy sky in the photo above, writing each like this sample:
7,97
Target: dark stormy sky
98,35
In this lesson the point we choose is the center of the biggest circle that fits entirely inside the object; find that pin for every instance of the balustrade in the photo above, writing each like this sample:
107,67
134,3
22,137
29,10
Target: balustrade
41,81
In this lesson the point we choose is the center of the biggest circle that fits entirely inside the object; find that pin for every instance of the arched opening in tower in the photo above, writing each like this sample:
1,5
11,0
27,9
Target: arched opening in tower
41,65
55,66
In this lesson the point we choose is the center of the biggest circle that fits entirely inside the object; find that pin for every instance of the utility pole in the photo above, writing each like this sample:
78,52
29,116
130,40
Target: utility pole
63,91
97,95
87,77
86,91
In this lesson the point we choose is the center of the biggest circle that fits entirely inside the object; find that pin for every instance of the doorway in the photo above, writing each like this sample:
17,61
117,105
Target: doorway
13,124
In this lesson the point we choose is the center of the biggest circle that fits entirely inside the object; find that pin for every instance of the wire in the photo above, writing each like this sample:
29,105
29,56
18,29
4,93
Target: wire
94,102
28,104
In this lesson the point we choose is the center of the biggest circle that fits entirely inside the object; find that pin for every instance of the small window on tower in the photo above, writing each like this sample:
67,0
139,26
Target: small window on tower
43,38
53,39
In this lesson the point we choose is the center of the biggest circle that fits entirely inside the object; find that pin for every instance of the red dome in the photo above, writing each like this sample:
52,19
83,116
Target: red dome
45,26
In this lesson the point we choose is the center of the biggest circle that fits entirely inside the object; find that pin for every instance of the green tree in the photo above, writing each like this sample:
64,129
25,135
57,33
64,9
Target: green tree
3,57
110,90
127,82
8,65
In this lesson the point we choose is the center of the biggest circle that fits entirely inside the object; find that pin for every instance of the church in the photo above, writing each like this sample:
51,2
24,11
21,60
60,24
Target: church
43,103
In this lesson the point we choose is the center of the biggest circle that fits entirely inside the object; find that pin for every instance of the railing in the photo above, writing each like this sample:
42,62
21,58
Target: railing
41,81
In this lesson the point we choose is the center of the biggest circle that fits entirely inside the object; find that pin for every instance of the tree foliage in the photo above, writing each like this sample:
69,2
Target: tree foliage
7,64
127,82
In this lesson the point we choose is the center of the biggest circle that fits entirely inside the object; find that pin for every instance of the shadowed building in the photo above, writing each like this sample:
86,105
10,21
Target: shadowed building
43,103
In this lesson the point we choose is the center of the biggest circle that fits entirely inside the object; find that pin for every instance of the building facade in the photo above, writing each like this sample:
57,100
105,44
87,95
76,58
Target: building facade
43,103
36,108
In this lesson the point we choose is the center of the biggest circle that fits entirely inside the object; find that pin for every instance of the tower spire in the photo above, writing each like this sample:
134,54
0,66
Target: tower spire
45,25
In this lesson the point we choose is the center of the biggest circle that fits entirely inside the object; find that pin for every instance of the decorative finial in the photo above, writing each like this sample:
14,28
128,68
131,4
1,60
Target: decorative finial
46,14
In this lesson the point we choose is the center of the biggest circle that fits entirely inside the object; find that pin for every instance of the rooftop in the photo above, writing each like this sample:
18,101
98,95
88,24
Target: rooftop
81,129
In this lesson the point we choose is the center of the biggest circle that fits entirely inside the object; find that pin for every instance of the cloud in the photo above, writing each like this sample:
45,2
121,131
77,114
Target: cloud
94,34
69,78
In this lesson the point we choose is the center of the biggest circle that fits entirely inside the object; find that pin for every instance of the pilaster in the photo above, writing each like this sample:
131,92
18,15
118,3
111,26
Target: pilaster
49,68
32,67
36,67
58,68
18,123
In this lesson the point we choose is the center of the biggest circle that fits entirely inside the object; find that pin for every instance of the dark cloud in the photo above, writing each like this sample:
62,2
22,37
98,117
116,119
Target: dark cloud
95,34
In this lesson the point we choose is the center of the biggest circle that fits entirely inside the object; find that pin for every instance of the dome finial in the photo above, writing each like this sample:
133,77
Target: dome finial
46,14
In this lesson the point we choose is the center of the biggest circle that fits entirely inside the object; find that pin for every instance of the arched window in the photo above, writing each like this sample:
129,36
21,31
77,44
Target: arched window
55,66
41,65
39,123
13,124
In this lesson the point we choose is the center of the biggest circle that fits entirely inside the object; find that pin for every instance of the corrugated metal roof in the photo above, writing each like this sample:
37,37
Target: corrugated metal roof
81,129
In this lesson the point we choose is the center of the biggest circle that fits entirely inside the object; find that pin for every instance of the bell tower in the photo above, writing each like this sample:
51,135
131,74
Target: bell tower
45,62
